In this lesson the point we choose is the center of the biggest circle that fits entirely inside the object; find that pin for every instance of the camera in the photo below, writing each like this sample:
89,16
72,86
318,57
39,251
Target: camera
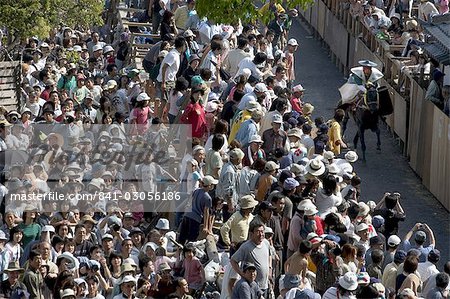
94,268
115,227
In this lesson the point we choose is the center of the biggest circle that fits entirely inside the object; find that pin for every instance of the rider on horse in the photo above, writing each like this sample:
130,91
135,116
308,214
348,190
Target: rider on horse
361,79
365,73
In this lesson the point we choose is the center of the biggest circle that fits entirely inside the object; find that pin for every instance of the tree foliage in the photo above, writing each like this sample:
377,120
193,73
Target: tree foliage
25,18
231,11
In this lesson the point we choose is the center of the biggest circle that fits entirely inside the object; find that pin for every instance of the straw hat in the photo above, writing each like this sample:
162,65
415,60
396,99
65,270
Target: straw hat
13,266
315,167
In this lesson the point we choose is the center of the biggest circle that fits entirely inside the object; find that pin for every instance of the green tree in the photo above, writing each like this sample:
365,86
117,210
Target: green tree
25,18
231,11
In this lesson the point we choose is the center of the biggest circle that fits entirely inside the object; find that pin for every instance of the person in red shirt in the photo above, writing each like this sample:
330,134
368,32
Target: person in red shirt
296,100
194,114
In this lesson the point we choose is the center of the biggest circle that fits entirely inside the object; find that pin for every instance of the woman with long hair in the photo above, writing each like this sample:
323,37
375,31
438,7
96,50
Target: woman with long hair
30,229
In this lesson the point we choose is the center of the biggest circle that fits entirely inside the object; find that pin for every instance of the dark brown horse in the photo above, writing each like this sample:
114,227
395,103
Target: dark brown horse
366,111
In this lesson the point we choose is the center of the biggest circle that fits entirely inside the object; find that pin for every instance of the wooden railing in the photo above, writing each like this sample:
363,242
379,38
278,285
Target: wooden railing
423,130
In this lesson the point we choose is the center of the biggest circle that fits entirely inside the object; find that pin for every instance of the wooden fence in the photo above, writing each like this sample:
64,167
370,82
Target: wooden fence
424,130
9,76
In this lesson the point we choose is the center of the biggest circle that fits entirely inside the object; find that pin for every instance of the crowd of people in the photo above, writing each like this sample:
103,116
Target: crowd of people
269,189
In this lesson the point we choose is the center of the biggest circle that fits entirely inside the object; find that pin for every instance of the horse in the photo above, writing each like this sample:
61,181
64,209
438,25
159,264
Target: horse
366,111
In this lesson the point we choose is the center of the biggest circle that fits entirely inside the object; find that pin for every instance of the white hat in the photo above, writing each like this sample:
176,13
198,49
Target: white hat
76,48
107,236
305,204
48,228
107,49
45,45
67,293
142,97
97,48
111,84
313,238
309,211
276,118
260,87
393,241
256,138
328,155
268,230
73,264
297,88
349,281
315,167
213,96
3,236
292,42
188,33
163,223
333,169
364,209
351,156
127,278
360,227
211,107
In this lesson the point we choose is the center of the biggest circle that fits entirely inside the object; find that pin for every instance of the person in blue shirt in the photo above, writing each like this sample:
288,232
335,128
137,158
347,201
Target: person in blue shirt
249,128
420,231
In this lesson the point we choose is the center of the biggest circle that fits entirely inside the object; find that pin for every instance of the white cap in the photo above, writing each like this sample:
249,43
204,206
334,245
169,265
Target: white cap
107,236
76,48
393,241
292,42
362,226
48,228
143,97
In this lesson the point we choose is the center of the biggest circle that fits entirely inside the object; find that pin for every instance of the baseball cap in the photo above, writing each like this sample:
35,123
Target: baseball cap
276,118
209,180
362,226
107,236
292,42
247,266
420,236
393,241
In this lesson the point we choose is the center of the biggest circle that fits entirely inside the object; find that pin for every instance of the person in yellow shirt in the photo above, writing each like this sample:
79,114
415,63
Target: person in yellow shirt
272,6
240,117
181,14
334,134
239,223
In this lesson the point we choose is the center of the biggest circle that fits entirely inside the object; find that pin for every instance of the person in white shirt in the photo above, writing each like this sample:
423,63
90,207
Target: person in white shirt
428,268
426,10
254,65
168,72
235,56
